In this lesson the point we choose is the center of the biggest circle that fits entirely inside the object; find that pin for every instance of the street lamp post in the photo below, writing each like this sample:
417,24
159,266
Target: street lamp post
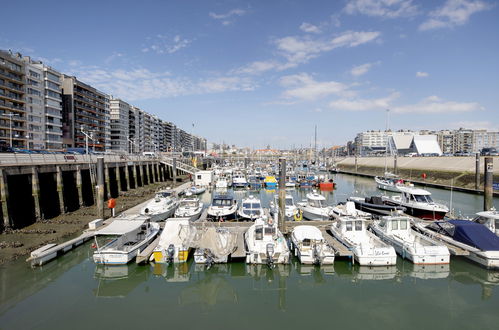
10,125
87,136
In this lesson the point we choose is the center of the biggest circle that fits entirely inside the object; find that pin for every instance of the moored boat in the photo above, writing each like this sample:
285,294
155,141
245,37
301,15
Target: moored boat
418,203
265,243
315,207
161,207
310,247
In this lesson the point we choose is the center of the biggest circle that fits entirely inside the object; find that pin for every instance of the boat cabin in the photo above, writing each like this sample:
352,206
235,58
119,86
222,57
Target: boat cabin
351,226
399,226
189,203
252,206
316,200
223,201
489,219
416,195
265,231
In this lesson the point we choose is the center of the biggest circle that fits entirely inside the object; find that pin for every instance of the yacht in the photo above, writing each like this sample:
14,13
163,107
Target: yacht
125,238
161,207
250,209
174,242
315,207
489,219
265,244
222,208
408,243
368,249
189,207
479,243
310,247
418,203
290,210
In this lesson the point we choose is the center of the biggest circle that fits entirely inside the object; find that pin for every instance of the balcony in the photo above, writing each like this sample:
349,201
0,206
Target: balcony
10,76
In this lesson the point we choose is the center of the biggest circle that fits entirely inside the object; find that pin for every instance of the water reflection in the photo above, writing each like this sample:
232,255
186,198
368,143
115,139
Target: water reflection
172,272
118,281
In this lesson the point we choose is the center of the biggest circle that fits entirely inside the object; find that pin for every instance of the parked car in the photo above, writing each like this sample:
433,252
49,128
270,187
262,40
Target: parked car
489,152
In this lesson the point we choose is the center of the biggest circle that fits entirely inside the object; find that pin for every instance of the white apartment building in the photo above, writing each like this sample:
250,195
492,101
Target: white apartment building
35,103
119,125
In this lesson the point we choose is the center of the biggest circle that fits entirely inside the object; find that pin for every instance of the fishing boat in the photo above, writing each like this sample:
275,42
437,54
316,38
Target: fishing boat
315,207
250,209
265,244
310,247
174,242
375,205
222,208
125,238
189,207
161,207
481,244
418,203
368,250
391,182
489,219
408,243
291,212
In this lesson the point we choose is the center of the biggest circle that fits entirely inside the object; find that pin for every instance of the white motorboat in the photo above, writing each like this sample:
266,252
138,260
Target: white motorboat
161,207
125,238
190,208
221,183
348,209
408,243
214,245
239,180
489,219
310,247
250,209
175,242
481,245
290,210
315,207
391,182
222,208
418,203
368,249
196,190
265,244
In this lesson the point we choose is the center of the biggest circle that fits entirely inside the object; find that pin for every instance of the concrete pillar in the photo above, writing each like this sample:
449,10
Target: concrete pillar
100,187
477,171
174,172
119,179
79,185
35,191
135,179
4,191
161,173
488,184
156,172
395,169
282,194
107,180
127,179
151,173
60,189
92,169
356,167
141,173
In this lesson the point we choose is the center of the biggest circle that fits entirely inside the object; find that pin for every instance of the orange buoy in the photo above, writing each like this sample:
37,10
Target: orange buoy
111,203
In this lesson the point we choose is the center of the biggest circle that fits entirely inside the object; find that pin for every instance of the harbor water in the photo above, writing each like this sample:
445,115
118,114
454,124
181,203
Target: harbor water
72,292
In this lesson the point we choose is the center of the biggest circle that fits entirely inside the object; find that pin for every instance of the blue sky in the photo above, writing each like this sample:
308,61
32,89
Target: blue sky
257,73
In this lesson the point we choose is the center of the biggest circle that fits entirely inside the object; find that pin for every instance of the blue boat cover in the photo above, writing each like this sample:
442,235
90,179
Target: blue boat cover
475,234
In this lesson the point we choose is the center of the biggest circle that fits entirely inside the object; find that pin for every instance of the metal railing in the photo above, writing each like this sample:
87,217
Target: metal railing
10,159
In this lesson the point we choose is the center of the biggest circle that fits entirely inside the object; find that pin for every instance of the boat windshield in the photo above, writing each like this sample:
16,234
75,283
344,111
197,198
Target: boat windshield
422,198
188,204
163,194
289,202
317,203
222,202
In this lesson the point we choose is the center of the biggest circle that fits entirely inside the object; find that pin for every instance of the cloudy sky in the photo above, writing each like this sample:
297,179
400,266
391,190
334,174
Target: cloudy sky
257,73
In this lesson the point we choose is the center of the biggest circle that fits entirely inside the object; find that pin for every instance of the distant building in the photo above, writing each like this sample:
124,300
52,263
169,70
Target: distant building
119,125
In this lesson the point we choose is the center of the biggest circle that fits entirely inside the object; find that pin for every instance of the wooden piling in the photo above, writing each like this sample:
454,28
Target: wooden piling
60,189
487,185
477,171
35,192
79,185
4,191
282,194
100,187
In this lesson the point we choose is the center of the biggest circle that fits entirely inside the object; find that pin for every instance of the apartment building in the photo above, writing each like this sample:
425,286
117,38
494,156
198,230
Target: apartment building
120,129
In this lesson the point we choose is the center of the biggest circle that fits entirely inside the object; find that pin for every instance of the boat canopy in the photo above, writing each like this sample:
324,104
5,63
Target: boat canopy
120,227
470,233
307,232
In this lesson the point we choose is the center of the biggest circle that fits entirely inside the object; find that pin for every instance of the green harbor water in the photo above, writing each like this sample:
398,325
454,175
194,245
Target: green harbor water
73,293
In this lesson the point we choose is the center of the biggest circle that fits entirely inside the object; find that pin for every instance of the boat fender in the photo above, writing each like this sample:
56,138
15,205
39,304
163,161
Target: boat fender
298,215
146,210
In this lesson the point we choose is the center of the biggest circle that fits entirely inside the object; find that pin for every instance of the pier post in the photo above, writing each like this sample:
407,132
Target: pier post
100,187
282,194
141,173
4,191
119,179
150,167
35,192
135,179
60,189
79,185
161,173
174,172
477,171
356,167
127,179
395,164
156,172
107,180
487,185
246,162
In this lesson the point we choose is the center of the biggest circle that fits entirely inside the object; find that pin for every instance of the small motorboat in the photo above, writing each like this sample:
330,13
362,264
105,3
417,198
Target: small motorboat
214,245
265,244
391,182
189,207
489,219
125,239
368,250
223,208
196,190
315,207
375,205
239,180
310,247
161,207
408,243
250,209
292,213
174,242
349,209
418,203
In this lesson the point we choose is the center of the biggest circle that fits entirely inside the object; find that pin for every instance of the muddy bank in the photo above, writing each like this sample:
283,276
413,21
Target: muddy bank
20,242
450,178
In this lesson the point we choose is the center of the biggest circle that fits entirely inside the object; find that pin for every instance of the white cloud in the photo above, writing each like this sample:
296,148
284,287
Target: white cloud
163,44
433,104
421,74
453,13
359,70
257,67
300,50
303,87
225,19
364,104
310,28
382,8
223,84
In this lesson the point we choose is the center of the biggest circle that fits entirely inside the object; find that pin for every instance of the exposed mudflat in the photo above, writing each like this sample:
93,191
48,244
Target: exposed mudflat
20,242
